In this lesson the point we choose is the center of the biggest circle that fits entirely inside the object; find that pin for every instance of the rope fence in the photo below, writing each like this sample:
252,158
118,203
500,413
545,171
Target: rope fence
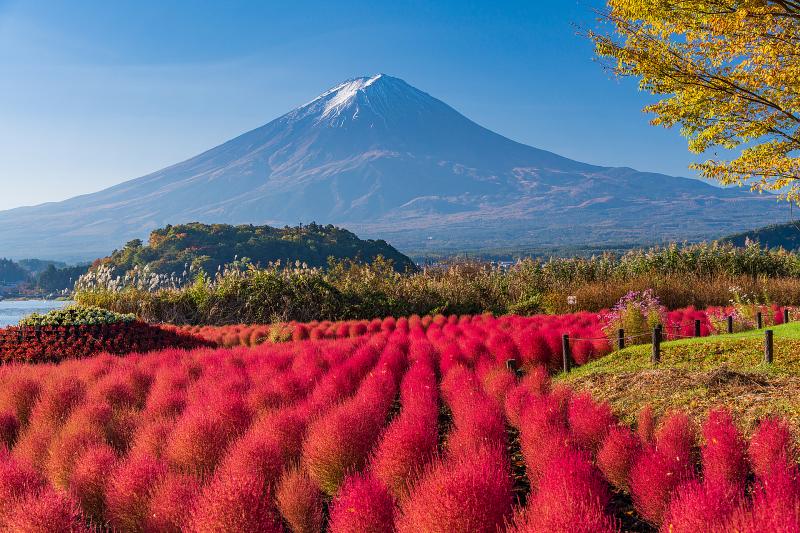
657,337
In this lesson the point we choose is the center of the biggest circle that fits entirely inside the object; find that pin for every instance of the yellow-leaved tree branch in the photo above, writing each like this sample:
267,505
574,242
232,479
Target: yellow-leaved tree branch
726,71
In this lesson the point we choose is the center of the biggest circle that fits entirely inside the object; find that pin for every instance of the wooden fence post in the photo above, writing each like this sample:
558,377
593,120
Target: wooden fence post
620,339
511,364
730,323
696,328
566,352
785,315
768,346
759,320
656,356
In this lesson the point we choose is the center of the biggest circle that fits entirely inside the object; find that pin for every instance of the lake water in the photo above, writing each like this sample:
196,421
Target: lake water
11,311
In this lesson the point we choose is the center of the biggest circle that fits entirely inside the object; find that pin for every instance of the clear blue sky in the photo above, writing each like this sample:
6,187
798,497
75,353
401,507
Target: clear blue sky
95,93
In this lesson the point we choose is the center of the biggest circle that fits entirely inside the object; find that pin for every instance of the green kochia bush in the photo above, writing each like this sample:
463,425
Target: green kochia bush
76,316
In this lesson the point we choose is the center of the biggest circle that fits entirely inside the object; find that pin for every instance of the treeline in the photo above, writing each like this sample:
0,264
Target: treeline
185,249
36,275
699,275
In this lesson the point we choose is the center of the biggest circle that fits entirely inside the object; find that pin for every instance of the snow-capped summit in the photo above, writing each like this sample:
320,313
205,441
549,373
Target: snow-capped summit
370,99
388,160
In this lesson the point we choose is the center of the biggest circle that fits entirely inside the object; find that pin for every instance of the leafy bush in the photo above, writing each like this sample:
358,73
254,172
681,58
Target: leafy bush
76,316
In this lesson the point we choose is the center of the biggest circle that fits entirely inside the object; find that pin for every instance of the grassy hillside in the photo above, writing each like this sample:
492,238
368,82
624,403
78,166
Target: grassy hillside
698,374
190,247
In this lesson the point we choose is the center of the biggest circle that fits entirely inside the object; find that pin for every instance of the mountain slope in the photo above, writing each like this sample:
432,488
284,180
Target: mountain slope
384,159
773,236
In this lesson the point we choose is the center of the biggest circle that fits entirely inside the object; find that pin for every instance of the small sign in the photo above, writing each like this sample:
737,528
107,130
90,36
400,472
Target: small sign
572,300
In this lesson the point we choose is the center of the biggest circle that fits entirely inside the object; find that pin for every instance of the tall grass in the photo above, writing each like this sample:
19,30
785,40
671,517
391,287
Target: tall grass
699,275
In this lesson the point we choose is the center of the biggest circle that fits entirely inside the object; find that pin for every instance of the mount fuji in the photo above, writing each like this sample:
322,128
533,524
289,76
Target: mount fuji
384,159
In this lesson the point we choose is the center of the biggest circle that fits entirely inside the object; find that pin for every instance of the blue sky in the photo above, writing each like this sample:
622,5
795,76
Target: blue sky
95,93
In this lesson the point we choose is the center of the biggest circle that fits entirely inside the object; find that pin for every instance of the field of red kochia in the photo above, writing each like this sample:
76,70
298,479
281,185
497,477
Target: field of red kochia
411,427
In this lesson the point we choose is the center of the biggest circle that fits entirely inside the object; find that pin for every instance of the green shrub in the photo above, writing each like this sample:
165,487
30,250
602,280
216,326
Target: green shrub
76,316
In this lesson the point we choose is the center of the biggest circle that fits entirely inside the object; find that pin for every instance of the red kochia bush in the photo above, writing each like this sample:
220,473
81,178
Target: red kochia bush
617,455
129,491
90,475
411,440
171,502
771,446
467,494
236,501
699,506
775,506
543,433
300,502
17,479
342,440
45,511
363,505
645,425
724,461
572,496
202,434
589,421
676,438
660,469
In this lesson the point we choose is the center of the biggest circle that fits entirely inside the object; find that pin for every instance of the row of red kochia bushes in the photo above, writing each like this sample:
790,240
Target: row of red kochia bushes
55,343
256,439
532,340
583,325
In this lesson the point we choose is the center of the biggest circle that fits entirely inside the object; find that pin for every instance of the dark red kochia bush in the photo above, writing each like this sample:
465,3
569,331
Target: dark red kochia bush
617,454
300,501
50,343
589,421
9,428
572,496
771,446
363,505
465,494
724,462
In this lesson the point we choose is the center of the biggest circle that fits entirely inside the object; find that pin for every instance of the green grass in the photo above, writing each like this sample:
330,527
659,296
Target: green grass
698,374
743,351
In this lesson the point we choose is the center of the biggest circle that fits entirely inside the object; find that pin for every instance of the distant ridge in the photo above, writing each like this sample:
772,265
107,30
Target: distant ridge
785,236
386,160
